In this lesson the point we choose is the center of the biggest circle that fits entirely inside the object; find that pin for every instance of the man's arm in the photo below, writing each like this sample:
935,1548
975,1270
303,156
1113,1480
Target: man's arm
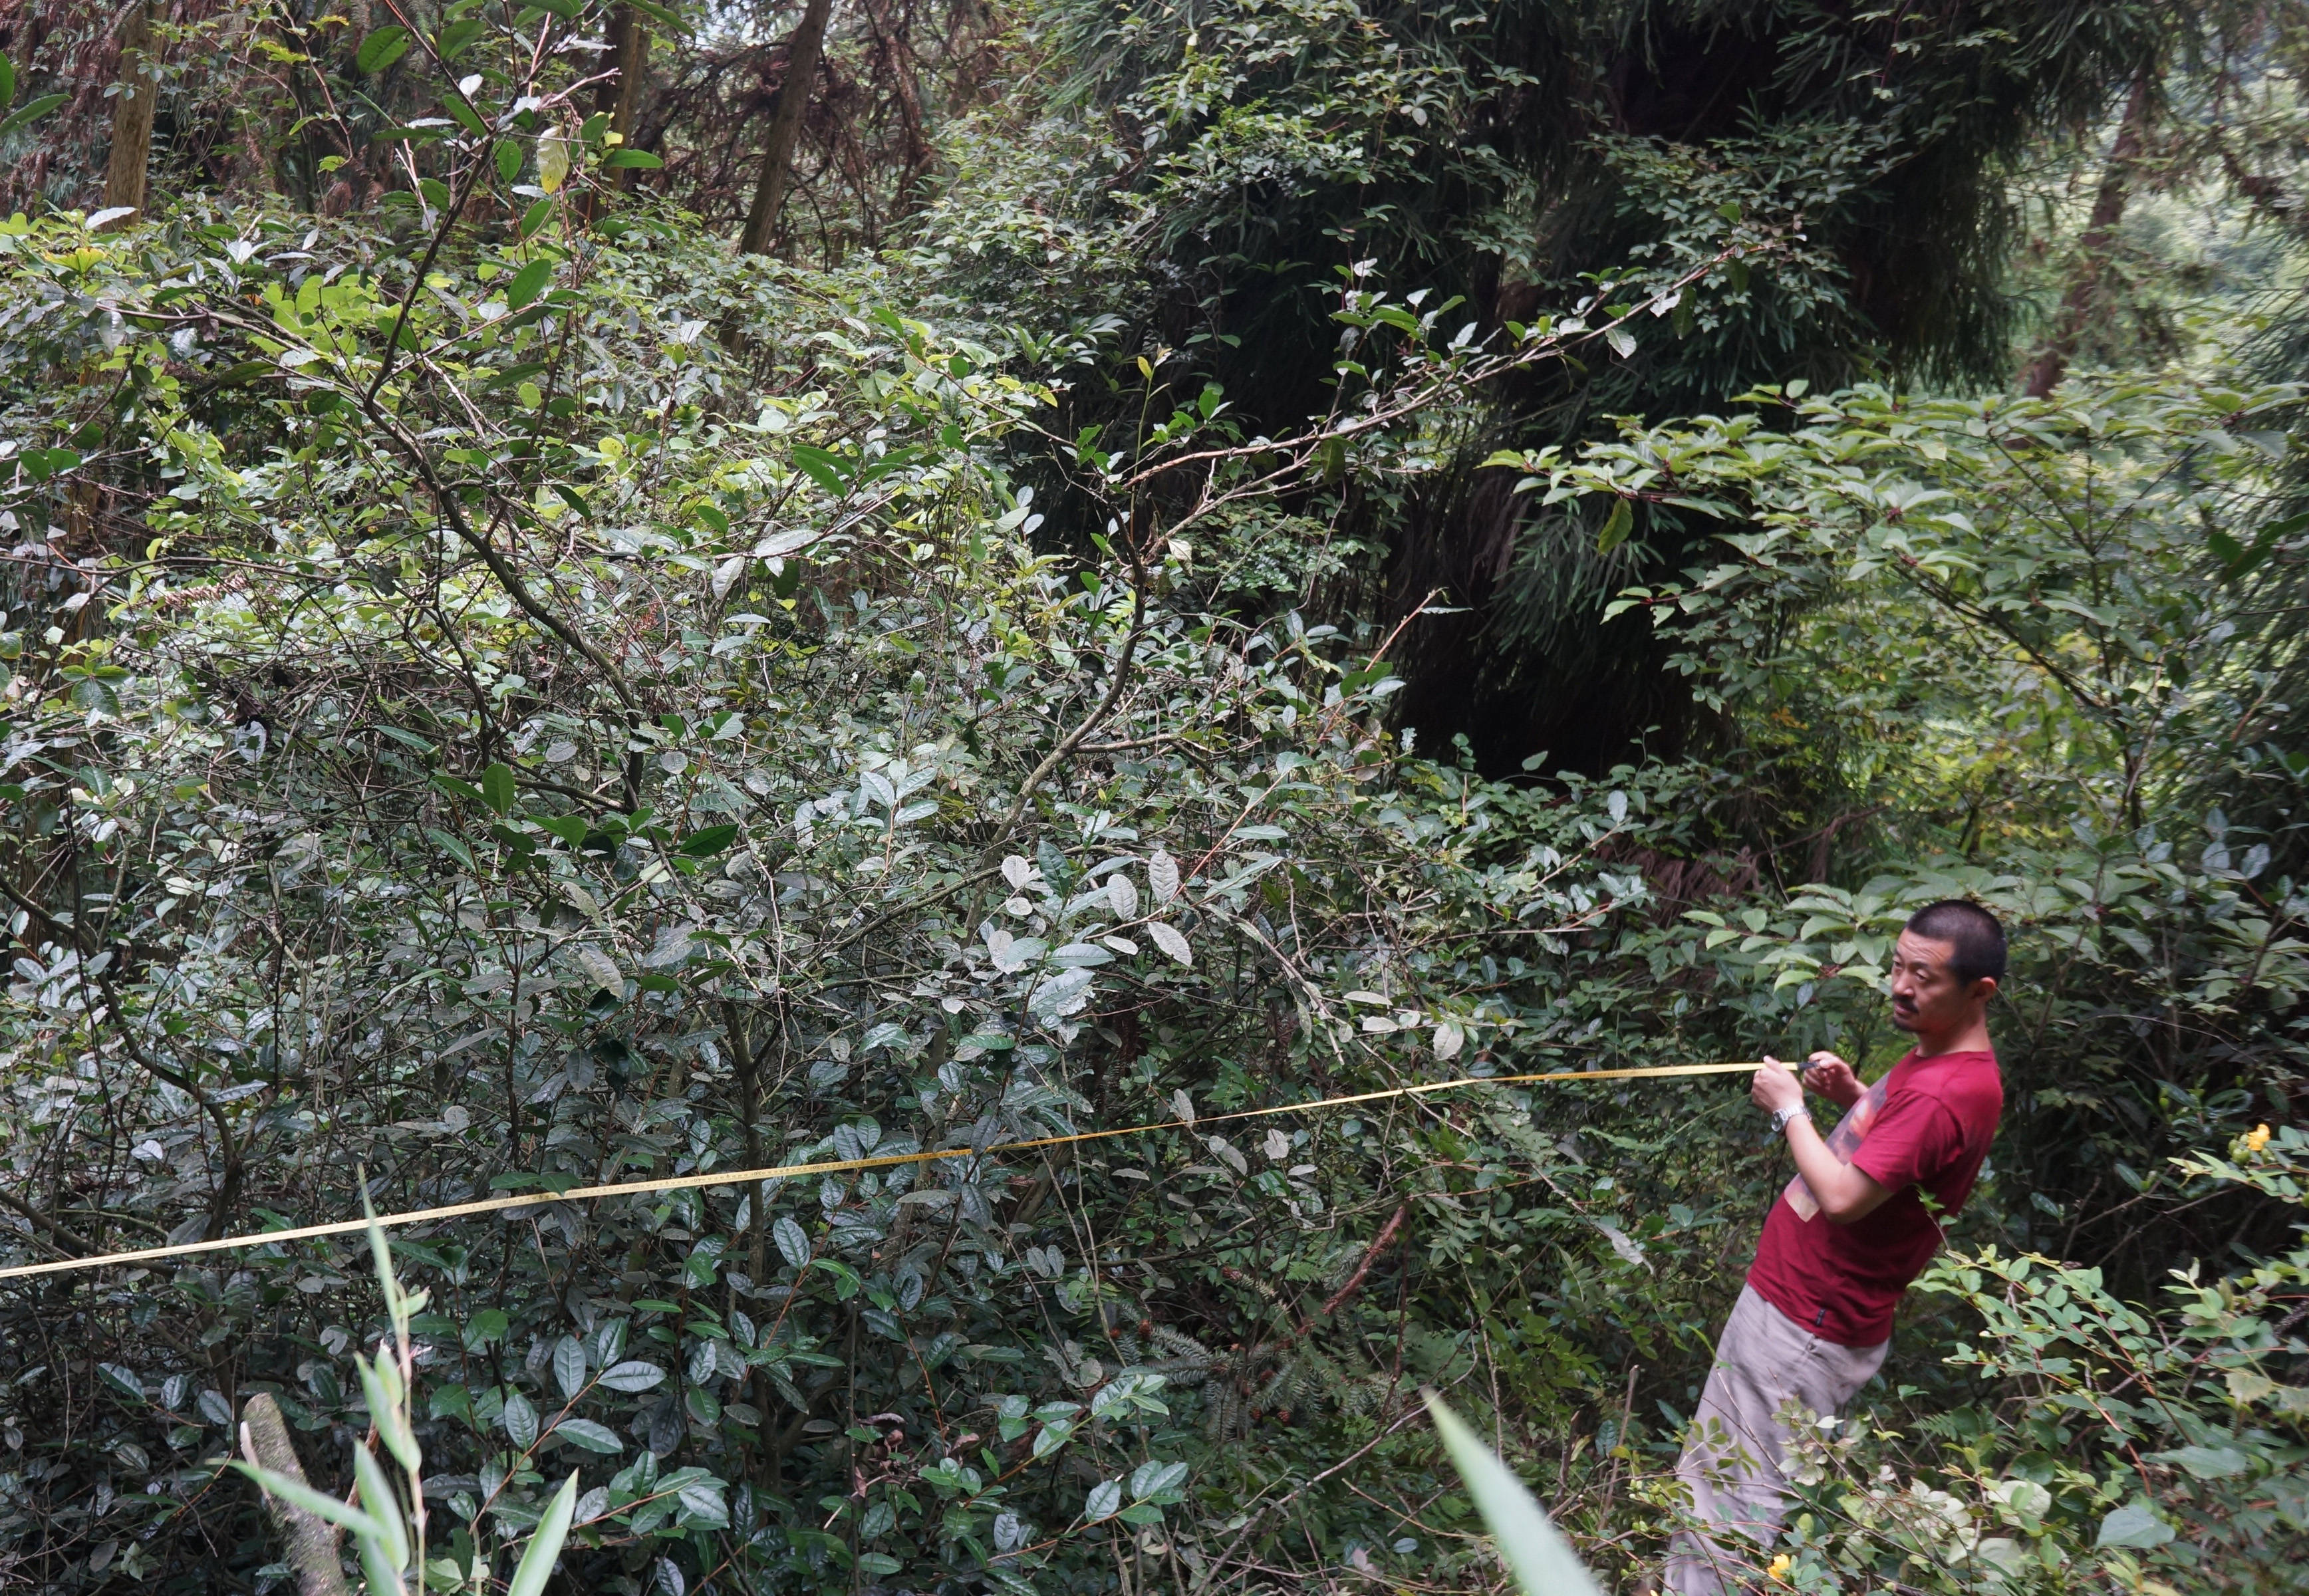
1844,1192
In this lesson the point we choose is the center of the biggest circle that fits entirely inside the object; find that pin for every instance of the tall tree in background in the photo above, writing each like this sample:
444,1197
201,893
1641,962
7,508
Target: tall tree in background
802,53
132,110
1585,138
619,93
2080,302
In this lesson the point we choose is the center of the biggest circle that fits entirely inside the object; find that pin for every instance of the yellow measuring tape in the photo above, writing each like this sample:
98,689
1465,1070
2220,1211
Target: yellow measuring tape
421,1216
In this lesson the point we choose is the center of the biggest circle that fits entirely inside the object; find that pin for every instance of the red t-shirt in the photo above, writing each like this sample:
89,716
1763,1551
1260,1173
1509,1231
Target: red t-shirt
1927,1124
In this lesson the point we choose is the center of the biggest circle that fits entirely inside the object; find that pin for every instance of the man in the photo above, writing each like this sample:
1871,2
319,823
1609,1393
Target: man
1859,1221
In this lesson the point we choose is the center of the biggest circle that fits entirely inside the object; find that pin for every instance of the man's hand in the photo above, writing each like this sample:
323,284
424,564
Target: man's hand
1833,1079
1844,1192
1776,1088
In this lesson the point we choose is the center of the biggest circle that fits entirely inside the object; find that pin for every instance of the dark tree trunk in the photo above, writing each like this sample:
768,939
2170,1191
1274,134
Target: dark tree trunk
785,127
618,97
2082,300
897,53
131,115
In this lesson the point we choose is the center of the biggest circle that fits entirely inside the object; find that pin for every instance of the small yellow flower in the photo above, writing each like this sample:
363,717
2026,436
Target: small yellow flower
2256,1138
1780,1567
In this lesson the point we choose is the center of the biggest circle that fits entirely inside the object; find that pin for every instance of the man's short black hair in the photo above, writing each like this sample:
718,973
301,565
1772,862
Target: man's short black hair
1969,928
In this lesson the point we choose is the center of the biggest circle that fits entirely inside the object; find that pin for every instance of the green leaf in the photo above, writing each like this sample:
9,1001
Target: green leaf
792,1241
536,217
319,1504
545,1544
570,1366
508,159
1543,1562
382,48
702,1501
846,1280
823,468
528,283
32,111
632,1376
2206,1462
1615,527
521,1421
707,841
383,1575
467,118
569,828
2133,1525
7,82
248,371
640,159
498,790
452,845
377,1495
663,15
591,1436
697,1269
458,35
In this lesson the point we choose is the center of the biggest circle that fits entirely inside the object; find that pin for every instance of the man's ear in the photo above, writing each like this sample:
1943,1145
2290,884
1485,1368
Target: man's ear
1983,989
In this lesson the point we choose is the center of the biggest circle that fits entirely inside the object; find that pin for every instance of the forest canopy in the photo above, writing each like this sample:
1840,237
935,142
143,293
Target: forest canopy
600,592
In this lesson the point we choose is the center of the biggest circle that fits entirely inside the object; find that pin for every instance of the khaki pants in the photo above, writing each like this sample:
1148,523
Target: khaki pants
1733,1463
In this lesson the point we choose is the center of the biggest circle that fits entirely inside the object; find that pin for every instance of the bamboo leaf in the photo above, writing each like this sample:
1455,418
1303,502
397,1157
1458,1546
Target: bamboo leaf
544,1545
298,1495
1543,1562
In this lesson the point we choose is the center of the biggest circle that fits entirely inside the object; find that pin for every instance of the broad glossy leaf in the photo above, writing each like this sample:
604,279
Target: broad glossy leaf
2134,1526
591,1436
528,283
633,1375
569,1365
383,48
497,789
520,1421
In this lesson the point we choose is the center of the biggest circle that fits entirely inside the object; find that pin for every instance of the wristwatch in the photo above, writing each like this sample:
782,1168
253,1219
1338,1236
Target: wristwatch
1782,1118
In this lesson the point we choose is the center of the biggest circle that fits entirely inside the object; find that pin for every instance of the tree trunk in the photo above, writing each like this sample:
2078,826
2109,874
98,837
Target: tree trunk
785,126
914,153
747,1066
619,96
312,1541
131,115
2079,305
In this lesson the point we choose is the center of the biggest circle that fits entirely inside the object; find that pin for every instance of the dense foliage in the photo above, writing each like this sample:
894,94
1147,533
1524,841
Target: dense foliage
504,696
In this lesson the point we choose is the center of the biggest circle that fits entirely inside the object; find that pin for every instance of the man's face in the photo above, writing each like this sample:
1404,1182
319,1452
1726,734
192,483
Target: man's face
1926,996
